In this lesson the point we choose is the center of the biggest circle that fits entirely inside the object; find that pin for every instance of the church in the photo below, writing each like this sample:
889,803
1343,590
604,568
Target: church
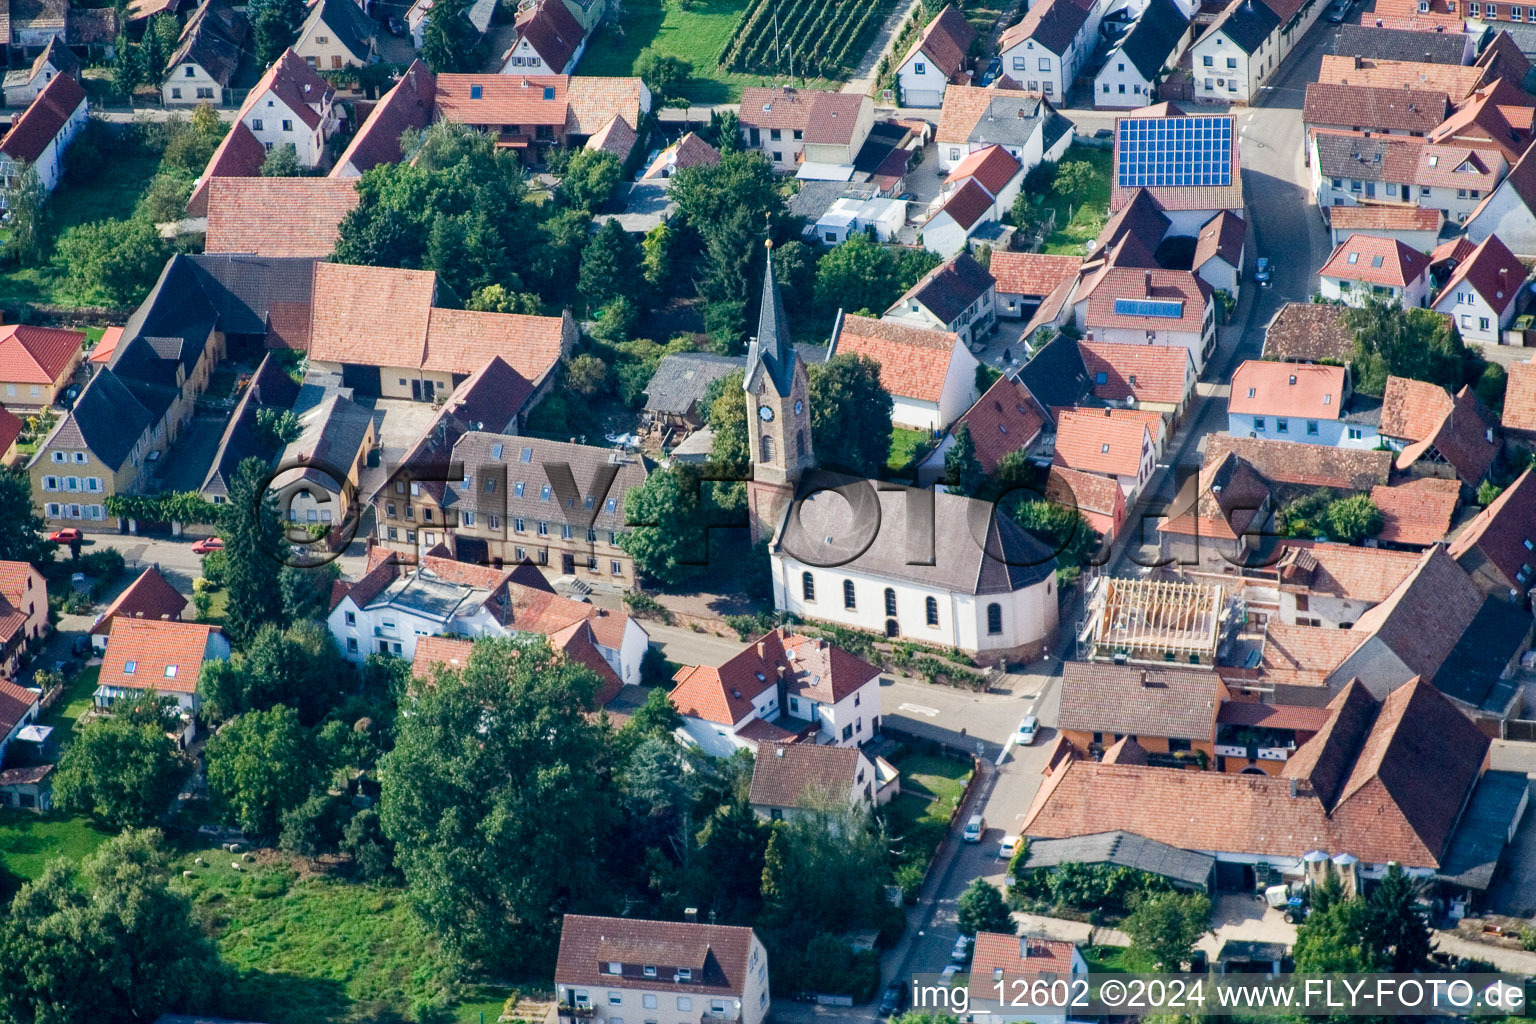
930,567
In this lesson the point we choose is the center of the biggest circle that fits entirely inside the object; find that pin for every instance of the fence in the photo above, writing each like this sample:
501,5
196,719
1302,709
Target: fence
1520,729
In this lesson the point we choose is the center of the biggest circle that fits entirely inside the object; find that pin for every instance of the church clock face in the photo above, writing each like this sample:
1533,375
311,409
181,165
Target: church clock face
799,406
765,413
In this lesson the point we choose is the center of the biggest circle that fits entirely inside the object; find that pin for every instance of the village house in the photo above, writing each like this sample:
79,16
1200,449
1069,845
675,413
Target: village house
1417,227
1171,712
930,375
1300,402
1308,332
1117,443
612,968
39,136
1519,416
1139,60
1005,964
396,605
1498,547
280,217
150,597
1005,419
337,34
549,40
958,295
577,642
1435,434
1365,268
381,330
979,191
790,780
23,85
1305,465
407,106
324,465
936,60
1416,513
270,387
1218,259
1024,279
1159,378
157,656
1353,167
206,57
292,106
1045,51
1378,110
1219,518
530,114
1133,306
19,708
810,131
24,604
1098,499
1021,122
1239,53
36,363
1201,179
780,687
1482,294
675,395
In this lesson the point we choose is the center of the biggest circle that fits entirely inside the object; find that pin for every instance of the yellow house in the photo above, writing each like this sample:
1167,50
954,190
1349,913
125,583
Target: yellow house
36,364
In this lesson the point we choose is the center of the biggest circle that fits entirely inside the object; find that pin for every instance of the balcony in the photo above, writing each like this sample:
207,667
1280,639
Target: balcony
572,1014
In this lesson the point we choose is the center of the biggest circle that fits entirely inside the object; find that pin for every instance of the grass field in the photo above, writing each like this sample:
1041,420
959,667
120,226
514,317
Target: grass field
75,701
906,446
930,789
696,34
310,949
1088,217
29,841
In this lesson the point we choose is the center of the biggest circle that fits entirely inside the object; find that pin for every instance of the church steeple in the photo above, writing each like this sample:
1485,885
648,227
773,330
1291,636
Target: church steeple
772,349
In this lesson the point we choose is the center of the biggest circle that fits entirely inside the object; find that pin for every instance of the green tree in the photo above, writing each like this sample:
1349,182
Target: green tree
26,238
1060,527
112,944
727,418
657,261
463,816
112,261
611,266
449,42
1354,518
282,162
259,766
253,544
297,666
724,131
1164,927
128,70
856,276
657,716
662,74
167,33
850,415
962,469
22,530
123,769
1074,180
981,909
668,536
1488,492
1394,927
824,871
1416,343
277,427
495,298
589,179
314,827
371,852
1491,385
586,375
275,26
165,200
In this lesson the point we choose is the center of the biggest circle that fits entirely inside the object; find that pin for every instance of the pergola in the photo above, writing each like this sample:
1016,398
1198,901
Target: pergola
1156,621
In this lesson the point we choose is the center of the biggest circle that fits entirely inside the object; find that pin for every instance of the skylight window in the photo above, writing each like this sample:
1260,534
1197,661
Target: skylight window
130,667
170,671
496,451
1354,258
476,92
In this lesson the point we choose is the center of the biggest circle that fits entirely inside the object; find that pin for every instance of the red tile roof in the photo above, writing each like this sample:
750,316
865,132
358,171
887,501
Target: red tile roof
1374,108
278,216
801,774
1452,79
1004,419
461,341
1031,273
716,955
10,429
914,361
152,654
1287,389
1504,532
1087,492
1310,465
1412,409
408,105
822,672
240,155
553,32
503,99
1374,260
1222,237
1492,271
450,652
616,137
1416,512
946,42
1520,398
969,203
1019,956
376,316
829,118
1425,615
964,106
37,355
1467,439
15,703
1132,283
1345,571
102,351
44,118
150,596
1385,218
1100,441
296,84
1309,332
994,167
1148,373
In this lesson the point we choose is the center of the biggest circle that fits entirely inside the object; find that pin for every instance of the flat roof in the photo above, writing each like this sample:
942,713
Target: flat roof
1494,811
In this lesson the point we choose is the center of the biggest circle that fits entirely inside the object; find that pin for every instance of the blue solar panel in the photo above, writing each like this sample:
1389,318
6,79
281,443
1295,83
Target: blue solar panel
1149,307
1193,151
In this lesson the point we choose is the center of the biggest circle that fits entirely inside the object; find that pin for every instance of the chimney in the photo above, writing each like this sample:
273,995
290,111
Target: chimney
1148,280
691,914
1143,679
762,650
1295,788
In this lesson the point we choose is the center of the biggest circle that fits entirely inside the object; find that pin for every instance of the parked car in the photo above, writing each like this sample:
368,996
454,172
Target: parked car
1338,12
1262,271
892,1000
1009,847
974,829
947,976
1029,728
962,951
396,26
81,645
208,545
67,536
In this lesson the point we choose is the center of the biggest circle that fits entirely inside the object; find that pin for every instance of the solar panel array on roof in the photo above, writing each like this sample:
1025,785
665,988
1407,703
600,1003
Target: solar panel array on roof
1149,307
1174,151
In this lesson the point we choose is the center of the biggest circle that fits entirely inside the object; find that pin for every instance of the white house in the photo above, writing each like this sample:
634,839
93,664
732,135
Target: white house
548,41
790,780
849,216
1482,294
1023,123
938,569
40,134
1007,964
813,132
1238,54
1153,44
981,189
1115,443
935,60
19,708
1142,306
206,57
337,34
780,686
930,375
1509,211
23,84
1308,403
1045,50
1219,253
1417,227
292,105
1366,267
958,296
157,655
612,969
1350,167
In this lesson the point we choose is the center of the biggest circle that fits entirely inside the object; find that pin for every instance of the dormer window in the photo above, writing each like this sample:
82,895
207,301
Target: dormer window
615,968
685,974
650,972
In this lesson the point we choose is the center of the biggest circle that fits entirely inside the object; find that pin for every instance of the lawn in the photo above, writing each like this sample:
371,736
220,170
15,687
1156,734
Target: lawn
219,601
697,34
940,780
29,841
919,815
312,949
76,700
1106,959
1081,222
906,447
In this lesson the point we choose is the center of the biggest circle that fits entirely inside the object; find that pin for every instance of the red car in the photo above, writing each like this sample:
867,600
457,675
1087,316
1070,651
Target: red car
207,544
68,536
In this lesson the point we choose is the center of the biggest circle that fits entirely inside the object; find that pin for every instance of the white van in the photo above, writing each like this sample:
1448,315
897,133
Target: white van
974,828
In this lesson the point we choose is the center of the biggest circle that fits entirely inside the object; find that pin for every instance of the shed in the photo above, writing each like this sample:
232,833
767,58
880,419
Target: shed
1183,868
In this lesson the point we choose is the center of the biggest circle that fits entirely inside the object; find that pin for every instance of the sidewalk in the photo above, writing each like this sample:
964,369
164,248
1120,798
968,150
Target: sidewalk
1515,961
863,82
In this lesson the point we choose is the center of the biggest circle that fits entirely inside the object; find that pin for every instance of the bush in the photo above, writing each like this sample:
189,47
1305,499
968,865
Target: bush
215,567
